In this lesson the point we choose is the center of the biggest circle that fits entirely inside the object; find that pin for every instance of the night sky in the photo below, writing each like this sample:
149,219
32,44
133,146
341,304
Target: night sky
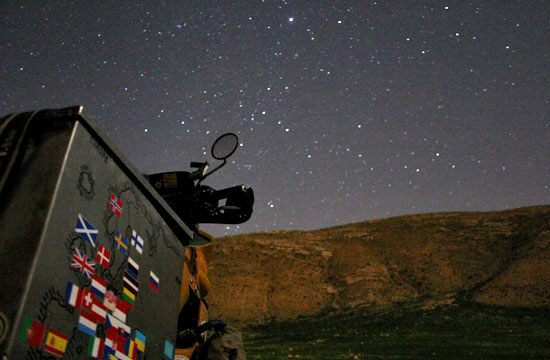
345,110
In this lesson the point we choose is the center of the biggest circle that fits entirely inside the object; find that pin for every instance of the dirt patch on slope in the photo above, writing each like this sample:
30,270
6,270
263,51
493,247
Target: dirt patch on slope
494,257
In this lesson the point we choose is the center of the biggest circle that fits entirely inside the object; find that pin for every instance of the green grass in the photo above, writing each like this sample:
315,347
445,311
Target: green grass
467,331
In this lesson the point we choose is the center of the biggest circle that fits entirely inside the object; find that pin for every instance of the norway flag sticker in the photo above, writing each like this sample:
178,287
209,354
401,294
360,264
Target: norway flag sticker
116,205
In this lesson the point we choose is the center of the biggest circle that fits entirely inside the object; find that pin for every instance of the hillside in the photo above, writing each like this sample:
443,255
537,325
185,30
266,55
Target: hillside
500,258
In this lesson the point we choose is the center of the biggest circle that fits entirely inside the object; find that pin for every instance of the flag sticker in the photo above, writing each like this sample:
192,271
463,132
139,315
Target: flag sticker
99,286
132,350
32,333
73,295
120,311
121,242
99,311
56,343
86,230
95,347
133,268
87,299
130,283
168,349
128,296
140,340
154,281
94,306
81,263
115,205
110,300
137,242
109,348
87,323
116,324
117,338
103,256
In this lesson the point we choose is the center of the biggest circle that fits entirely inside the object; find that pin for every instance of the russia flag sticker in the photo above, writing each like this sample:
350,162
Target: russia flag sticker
154,281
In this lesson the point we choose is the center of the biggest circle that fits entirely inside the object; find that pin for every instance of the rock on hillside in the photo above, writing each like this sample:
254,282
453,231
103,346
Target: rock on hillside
493,257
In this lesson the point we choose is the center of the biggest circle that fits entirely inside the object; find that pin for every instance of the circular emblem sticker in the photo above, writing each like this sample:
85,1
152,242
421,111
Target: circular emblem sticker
86,183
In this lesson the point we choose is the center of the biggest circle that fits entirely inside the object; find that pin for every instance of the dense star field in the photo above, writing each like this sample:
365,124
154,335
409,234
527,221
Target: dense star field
345,110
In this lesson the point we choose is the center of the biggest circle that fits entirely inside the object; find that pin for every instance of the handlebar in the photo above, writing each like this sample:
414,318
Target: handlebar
196,203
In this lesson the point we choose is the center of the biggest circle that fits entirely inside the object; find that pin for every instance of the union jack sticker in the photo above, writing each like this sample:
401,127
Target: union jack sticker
82,263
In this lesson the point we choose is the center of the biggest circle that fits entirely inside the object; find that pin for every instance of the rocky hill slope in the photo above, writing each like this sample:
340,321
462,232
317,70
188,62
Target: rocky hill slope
493,257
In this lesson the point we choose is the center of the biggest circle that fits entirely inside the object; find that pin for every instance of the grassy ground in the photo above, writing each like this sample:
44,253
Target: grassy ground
466,331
